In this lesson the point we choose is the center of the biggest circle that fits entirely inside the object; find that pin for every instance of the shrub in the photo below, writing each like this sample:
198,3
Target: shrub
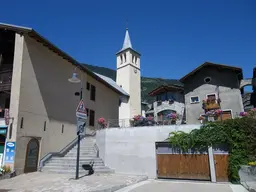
239,134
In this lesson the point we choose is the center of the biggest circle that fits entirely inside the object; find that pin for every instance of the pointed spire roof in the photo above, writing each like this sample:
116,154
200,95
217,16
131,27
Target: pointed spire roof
127,40
127,43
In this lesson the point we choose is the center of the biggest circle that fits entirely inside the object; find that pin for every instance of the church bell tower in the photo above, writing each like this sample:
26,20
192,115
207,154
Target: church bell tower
129,78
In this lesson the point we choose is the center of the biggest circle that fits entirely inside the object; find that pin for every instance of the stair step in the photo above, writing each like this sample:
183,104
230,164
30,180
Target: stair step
72,171
61,167
81,153
73,164
84,148
82,160
74,157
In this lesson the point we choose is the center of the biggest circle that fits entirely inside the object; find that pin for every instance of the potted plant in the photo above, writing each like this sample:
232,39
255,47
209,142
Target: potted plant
102,123
138,120
173,117
5,172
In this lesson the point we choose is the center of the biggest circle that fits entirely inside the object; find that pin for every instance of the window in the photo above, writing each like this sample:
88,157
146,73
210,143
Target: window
88,86
124,57
87,111
91,118
121,58
194,99
21,123
45,126
226,114
207,79
62,128
10,131
93,92
212,97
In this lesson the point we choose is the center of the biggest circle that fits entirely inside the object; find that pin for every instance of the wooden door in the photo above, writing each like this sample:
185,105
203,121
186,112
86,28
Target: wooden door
221,167
32,153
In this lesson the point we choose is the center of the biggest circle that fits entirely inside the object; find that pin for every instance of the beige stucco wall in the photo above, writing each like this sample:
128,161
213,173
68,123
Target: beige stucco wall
47,96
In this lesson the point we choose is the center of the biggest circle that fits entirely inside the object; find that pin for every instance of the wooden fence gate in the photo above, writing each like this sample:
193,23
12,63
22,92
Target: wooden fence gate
173,164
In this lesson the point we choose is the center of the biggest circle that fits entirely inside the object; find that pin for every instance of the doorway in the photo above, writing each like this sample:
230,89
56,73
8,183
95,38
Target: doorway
32,154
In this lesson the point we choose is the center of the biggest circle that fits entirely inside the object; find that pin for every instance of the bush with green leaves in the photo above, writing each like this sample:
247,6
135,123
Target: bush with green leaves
239,134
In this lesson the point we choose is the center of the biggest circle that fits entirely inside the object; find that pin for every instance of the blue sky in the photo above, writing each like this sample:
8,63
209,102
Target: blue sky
173,37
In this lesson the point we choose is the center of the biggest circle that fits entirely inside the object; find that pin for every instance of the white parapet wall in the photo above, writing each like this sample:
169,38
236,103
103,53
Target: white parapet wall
132,150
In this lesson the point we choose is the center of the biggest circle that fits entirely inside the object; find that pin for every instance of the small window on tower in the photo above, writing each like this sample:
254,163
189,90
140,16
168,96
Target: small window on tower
124,57
135,60
121,58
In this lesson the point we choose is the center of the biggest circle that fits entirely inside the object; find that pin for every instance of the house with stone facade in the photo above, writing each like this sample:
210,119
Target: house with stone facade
212,87
169,99
38,104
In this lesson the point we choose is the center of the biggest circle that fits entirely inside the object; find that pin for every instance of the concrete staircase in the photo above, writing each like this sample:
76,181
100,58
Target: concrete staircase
67,164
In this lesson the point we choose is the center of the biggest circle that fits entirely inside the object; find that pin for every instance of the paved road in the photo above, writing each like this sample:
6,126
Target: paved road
178,186
43,182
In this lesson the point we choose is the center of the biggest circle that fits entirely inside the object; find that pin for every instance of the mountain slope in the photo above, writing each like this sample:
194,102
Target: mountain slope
147,83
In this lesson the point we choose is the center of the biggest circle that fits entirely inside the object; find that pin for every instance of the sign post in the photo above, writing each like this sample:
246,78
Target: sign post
81,117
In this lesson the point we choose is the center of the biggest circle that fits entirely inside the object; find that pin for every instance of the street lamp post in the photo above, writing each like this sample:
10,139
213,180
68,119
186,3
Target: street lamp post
75,79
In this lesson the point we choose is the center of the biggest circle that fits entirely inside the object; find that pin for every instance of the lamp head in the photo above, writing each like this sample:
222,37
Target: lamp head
74,79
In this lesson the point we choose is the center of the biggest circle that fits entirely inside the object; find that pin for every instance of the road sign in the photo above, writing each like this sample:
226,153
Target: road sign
81,126
81,111
81,116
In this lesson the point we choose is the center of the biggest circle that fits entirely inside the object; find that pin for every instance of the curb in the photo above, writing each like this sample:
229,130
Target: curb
117,187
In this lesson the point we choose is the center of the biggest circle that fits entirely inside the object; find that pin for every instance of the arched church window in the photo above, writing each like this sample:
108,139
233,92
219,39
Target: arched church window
135,60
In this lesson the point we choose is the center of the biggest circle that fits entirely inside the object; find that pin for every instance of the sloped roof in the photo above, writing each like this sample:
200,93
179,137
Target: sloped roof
112,83
165,88
32,33
237,69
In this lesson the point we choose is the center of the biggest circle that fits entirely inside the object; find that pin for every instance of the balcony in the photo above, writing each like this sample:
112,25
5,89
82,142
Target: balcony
5,80
211,104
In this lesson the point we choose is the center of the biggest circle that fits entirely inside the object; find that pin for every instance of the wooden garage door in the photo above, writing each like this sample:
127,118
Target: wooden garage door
174,165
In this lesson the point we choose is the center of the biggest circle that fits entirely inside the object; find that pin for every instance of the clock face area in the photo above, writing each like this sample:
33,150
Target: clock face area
135,70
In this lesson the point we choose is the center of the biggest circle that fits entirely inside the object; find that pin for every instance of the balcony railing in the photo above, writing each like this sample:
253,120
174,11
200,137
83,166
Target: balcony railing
211,104
5,80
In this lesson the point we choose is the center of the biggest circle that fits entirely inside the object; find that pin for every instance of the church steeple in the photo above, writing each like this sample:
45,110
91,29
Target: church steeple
128,76
127,40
